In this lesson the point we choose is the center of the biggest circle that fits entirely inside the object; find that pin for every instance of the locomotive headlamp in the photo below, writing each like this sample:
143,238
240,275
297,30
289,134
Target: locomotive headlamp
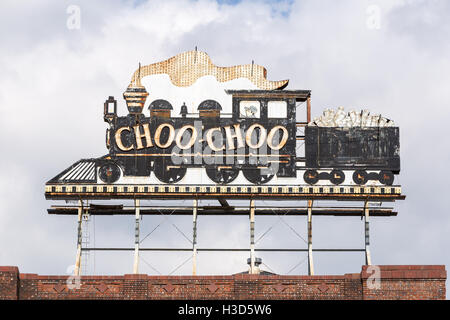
110,109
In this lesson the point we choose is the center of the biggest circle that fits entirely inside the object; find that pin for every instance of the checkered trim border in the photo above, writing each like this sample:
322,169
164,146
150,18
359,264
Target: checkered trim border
241,190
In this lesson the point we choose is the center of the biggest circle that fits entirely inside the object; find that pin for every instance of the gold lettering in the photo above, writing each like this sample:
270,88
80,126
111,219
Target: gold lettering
158,135
231,136
283,139
139,136
210,142
180,136
118,137
262,136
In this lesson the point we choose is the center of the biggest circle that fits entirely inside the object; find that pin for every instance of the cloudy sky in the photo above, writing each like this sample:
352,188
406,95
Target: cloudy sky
391,57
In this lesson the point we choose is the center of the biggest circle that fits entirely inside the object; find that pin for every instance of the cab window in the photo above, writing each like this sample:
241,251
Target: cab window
277,109
249,109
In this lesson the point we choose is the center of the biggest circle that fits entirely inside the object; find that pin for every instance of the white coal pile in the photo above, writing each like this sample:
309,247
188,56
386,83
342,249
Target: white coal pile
340,118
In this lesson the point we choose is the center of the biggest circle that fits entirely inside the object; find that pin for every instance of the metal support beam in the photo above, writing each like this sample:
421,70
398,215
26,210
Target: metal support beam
137,204
308,109
310,256
366,233
252,237
194,237
224,203
79,238
230,249
105,210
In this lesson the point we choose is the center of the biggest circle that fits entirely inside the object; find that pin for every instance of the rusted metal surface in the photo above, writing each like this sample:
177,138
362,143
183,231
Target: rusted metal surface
251,139
362,148
139,145
228,192
308,110
253,269
310,250
367,234
137,205
229,249
80,209
259,145
219,211
194,236
261,196
298,95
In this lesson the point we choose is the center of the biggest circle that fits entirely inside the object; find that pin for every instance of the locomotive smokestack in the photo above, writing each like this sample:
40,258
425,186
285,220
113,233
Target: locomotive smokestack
135,96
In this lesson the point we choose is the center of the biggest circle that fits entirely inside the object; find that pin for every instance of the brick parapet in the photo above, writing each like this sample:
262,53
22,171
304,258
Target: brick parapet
396,282
9,280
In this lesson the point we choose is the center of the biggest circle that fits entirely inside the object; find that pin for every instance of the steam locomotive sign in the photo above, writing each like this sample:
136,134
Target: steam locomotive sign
251,140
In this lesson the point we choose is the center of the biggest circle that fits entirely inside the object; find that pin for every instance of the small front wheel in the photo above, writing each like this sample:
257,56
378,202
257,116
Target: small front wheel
109,172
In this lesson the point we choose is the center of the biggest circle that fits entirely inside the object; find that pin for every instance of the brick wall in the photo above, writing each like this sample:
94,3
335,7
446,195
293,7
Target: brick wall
9,283
396,282
406,283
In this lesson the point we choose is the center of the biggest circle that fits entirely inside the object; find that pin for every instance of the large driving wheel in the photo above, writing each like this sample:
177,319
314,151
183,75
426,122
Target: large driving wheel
222,174
258,175
168,172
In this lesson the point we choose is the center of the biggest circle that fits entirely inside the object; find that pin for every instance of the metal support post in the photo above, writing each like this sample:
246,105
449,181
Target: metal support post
194,237
79,238
308,109
310,256
366,233
137,209
252,237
